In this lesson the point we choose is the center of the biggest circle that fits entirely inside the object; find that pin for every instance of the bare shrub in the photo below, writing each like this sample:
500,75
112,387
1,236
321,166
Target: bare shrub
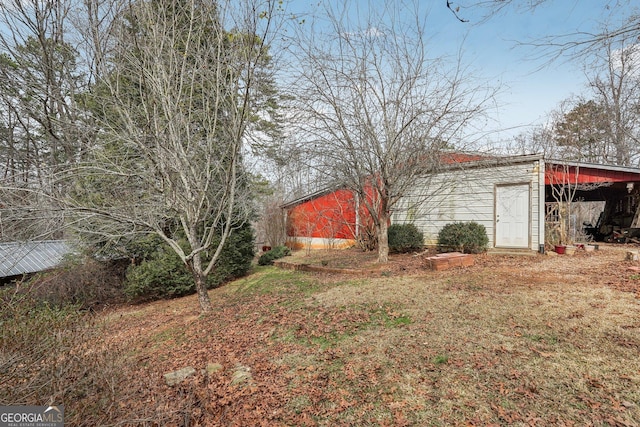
57,355
83,282
367,238
274,223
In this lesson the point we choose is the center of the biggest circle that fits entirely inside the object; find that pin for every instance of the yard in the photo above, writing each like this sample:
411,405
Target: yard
512,340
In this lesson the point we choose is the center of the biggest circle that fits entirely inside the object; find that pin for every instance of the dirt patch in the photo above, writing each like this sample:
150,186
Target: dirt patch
365,262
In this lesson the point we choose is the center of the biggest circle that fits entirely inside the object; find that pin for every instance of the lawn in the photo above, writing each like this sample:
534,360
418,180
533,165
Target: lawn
512,340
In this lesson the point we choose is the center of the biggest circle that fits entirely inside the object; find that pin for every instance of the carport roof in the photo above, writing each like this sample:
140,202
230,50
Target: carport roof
559,171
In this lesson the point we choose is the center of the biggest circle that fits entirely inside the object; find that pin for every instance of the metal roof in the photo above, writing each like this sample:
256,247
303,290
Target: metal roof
626,169
30,257
478,160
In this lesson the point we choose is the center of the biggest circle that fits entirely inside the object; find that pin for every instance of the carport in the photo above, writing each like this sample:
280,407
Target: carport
568,185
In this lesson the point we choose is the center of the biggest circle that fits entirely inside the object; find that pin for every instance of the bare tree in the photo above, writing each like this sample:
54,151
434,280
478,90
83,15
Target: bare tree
376,109
563,181
603,126
616,87
39,77
538,139
177,96
45,128
273,223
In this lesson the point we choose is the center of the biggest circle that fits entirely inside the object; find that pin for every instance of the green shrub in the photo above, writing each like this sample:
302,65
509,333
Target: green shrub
161,273
236,257
405,238
278,252
466,237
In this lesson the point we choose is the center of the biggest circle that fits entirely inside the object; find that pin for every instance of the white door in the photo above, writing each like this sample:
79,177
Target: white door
512,216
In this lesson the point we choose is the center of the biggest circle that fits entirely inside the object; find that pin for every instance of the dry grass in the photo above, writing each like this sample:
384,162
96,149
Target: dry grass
510,341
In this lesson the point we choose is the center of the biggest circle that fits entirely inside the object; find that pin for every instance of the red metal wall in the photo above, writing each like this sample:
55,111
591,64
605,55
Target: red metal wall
330,216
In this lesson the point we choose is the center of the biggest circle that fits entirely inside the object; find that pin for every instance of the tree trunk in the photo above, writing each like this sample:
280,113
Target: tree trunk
383,239
203,293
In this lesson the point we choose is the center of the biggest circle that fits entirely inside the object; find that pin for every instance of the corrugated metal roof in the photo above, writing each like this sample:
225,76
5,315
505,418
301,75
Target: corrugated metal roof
30,257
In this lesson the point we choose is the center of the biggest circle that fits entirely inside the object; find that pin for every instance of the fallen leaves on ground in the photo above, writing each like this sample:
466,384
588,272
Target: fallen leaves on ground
511,340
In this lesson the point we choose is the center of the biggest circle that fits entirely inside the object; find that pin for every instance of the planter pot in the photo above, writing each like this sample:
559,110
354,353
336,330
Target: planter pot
560,249
589,248
570,250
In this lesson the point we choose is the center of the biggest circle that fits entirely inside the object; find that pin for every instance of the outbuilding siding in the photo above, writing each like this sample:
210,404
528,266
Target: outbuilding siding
468,194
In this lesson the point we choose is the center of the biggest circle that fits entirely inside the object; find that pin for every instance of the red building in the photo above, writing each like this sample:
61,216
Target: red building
331,218
513,197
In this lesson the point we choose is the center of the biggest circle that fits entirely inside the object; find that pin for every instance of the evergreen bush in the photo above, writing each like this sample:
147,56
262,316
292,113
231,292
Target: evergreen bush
466,237
161,273
236,257
405,238
278,252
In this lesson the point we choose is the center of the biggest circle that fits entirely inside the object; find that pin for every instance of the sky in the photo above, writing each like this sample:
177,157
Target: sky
531,86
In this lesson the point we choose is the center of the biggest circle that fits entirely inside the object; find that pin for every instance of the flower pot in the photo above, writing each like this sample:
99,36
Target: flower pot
589,248
570,250
560,249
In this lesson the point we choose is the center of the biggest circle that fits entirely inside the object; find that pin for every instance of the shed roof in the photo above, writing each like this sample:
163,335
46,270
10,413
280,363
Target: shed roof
30,257
310,196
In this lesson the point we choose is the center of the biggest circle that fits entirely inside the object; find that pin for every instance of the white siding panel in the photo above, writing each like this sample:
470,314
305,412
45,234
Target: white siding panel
467,195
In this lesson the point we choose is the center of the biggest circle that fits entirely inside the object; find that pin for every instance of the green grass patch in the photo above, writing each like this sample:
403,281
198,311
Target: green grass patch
323,341
441,359
329,340
298,404
544,338
325,327
167,337
390,317
270,280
